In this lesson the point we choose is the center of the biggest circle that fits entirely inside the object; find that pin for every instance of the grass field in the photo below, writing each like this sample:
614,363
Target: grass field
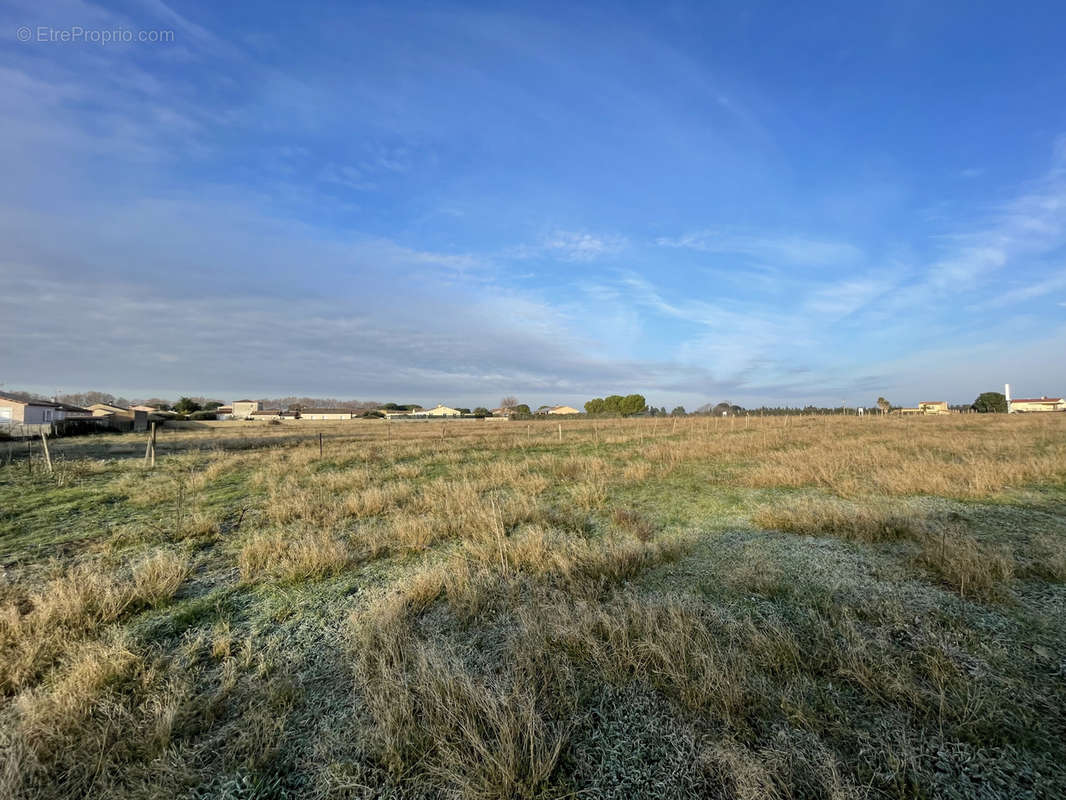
760,608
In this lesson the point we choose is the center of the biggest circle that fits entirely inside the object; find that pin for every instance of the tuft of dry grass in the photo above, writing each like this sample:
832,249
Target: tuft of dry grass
1048,560
273,555
37,629
975,570
636,471
632,521
376,500
662,641
465,736
876,520
590,494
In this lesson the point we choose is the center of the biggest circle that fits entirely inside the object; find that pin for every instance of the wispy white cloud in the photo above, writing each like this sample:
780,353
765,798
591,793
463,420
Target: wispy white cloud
578,246
1022,230
770,248
573,246
839,299
1021,294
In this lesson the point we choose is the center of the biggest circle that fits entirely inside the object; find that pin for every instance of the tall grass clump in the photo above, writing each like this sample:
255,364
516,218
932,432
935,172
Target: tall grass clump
36,629
462,735
313,555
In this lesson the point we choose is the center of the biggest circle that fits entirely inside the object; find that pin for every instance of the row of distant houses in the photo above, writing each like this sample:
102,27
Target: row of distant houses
253,410
1015,405
29,415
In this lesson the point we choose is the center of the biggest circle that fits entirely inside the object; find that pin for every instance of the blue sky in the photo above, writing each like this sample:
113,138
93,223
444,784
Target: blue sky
450,203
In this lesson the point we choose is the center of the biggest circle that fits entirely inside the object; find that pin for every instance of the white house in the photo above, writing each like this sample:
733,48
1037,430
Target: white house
441,411
326,413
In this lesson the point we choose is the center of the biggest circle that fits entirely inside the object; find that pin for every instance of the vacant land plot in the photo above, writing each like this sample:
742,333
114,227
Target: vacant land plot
702,607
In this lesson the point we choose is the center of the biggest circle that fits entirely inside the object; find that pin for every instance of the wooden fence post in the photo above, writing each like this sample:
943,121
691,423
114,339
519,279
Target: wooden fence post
149,449
47,455
320,444
560,431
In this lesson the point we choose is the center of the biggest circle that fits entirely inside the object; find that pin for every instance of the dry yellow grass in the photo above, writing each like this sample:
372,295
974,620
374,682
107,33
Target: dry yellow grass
873,520
475,738
312,555
945,548
518,577
36,629
975,570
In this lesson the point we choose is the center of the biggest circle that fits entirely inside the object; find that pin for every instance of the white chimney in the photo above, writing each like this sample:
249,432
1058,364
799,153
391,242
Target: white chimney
1006,393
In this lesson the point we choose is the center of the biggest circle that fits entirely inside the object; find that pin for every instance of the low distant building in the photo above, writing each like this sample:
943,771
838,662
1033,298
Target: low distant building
69,411
933,407
122,417
1029,404
28,412
564,410
440,411
224,412
243,409
326,413
264,413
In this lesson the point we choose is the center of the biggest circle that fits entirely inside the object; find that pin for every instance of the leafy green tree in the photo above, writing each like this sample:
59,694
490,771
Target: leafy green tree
482,412
990,402
884,405
678,412
522,410
186,405
616,404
